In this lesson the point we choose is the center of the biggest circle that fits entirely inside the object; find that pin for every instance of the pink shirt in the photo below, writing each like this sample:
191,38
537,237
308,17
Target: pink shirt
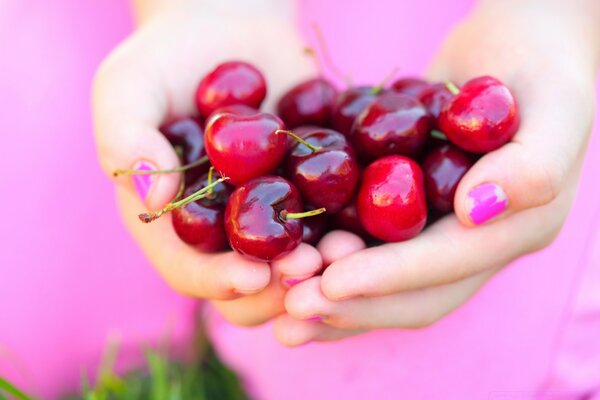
69,277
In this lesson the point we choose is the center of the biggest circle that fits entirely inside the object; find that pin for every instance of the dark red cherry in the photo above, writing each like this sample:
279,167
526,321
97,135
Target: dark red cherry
347,220
324,169
412,87
434,98
201,223
391,199
349,104
309,103
257,219
236,109
314,228
393,124
443,168
245,147
232,82
481,117
187,133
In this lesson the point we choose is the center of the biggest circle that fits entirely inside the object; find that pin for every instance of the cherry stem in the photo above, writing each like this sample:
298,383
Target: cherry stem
183,168
327,55
211,171
154,215
291,134
288,215
377,89
452,88
438,134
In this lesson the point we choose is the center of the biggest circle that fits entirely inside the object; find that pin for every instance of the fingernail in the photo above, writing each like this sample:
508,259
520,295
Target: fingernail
143,183
486,201
315,318
289,282
246,292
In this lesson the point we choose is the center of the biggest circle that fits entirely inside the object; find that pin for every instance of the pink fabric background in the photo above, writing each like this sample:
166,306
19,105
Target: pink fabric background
70,274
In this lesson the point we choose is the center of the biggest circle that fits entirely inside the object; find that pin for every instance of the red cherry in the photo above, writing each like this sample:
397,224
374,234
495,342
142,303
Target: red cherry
309,103
349,104
323,167
236,109
245,147
392,124
481,117
434,98
391,199
232,82
201,223
314,228
412,87
347,220
443,168
261,218
187,134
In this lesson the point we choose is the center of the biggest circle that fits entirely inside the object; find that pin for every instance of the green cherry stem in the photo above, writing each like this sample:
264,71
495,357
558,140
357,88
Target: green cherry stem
452,88
154,215
438,134
291,134
288,215
183,168
377,89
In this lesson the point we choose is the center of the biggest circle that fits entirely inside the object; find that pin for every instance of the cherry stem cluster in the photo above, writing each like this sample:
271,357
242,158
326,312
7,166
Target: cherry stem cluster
291,134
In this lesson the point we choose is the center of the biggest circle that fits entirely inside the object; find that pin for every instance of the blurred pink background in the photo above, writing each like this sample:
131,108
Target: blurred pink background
70,274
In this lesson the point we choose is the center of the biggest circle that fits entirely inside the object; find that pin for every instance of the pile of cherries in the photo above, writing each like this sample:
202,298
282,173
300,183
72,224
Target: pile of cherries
370,160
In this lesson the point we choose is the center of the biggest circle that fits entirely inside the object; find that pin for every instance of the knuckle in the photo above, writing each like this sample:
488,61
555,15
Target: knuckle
546,179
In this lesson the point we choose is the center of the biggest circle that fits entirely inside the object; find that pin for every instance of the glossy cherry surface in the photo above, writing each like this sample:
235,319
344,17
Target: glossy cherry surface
391,199
434,99
392,124
309,103
326,177
232,82
347,220
201,223
245,147
481,117
255,218
236,109
187,134
412,87
443,168
349,104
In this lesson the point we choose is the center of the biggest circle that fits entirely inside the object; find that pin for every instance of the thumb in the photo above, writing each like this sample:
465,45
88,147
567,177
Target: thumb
128,106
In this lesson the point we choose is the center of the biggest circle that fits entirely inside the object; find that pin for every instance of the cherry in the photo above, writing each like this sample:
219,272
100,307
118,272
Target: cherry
349,104
412,87
187,134
323,167
347,220
314,228
434,98
262,218
391,199
245,147
236,109
392,124
443,168
233,82
201,222
309,103
482,116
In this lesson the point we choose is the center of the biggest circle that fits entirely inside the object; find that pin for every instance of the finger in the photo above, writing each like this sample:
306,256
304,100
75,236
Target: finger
301,264
412,309
214,276
254,309
292,332
128,106
339,244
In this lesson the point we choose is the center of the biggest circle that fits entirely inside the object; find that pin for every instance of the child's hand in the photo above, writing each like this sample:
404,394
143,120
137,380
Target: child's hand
152,77
549,56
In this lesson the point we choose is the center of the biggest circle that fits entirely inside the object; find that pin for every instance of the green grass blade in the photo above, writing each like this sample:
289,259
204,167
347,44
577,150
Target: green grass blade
9,388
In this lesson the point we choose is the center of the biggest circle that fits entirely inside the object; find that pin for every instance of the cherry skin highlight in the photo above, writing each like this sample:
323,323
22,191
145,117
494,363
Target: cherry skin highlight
391,199
235,109
201,223
255,218
326,177
443,168
349,104
233,82
481,117
245,147
392,124
187,134
309,103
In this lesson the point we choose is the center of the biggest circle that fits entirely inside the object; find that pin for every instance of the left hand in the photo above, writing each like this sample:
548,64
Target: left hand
551,68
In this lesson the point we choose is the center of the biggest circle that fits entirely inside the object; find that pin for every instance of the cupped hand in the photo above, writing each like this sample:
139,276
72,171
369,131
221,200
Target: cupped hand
544,54
151,78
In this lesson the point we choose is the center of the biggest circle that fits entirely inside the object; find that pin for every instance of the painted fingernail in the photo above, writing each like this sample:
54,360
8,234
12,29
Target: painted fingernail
315,318
143,183
486,201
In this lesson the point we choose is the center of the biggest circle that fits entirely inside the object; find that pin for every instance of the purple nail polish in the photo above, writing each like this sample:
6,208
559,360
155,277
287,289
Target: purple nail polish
487,201
143,183
315,318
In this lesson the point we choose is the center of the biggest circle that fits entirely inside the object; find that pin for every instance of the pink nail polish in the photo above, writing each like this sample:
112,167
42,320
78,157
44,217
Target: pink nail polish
315,318
293,281
143,183
487,201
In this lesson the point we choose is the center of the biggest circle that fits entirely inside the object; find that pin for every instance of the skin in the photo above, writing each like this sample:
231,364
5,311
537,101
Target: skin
551,65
